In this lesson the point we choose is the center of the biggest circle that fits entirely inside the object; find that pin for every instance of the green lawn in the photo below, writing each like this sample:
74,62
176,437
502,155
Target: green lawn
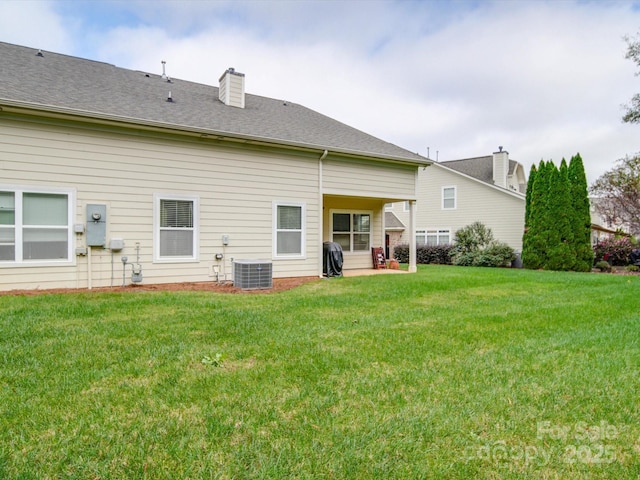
450,373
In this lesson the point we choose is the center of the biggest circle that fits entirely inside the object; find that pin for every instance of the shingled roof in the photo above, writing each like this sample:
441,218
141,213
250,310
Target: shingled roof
48,81
391,222
480,168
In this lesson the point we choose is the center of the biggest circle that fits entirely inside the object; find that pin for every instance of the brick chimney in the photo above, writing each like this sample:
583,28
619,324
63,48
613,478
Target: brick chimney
501,168
231,91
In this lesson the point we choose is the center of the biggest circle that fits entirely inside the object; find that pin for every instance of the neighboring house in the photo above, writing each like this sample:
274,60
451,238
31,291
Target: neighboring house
603,226
99,162
456,193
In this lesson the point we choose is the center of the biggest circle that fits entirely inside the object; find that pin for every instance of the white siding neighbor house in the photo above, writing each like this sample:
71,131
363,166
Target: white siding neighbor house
604,226
456,193
98,163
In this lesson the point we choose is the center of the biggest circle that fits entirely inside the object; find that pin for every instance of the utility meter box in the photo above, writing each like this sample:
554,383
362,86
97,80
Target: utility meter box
96,225
116,244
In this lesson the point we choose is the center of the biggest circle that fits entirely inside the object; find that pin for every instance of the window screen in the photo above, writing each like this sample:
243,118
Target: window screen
176,228
289,230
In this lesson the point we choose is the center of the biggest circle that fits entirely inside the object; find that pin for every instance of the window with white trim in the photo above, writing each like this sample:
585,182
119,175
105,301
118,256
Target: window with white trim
35,225
288,230
448,198
433,237
175,228
352,230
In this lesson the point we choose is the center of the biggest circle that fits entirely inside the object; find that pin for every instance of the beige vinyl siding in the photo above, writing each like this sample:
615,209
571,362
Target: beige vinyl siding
502,211
368,179
235,186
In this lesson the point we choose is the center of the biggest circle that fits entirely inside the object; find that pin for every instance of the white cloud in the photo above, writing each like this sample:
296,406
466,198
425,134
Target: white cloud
543,79
33,24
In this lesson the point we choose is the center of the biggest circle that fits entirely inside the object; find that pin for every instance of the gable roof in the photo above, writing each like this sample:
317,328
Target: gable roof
477,170
59,83
391,222
478,167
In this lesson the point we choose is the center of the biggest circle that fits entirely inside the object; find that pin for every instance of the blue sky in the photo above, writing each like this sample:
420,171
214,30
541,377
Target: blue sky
545,79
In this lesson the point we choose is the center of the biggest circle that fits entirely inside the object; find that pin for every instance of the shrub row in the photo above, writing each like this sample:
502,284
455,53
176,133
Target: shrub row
474,245
425,254
495,255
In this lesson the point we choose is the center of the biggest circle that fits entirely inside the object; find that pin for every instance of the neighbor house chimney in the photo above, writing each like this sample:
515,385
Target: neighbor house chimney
500,167
231,91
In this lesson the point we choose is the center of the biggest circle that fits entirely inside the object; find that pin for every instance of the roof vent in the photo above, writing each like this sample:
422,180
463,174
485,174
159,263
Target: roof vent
39,54
165,77
231,91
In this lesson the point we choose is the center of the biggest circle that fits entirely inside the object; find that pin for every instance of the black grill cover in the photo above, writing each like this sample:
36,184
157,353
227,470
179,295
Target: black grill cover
332,259
634,256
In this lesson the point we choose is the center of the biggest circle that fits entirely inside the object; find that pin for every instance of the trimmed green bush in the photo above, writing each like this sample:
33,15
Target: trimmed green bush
498,254
466,259
475,246
471,238
603,266
425,254
495,255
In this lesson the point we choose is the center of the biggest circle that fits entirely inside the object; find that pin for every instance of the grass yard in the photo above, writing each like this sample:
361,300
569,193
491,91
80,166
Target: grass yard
450,373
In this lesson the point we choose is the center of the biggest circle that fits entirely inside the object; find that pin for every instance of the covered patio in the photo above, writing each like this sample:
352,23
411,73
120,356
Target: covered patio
360,272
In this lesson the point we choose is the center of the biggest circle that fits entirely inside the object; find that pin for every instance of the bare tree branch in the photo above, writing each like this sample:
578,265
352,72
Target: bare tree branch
632,114
617,194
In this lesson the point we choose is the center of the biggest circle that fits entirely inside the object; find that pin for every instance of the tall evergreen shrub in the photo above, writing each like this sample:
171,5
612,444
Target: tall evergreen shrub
526,236
581,224
535,242
560,254
557,219
527,211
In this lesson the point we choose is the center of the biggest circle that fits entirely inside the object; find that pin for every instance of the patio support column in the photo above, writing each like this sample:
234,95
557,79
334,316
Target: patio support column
320,215
383,229
412,237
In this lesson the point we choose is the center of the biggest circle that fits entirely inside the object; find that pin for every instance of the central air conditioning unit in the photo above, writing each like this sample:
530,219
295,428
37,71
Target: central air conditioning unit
252,274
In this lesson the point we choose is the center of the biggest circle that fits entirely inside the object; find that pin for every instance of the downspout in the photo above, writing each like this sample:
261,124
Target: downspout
320,213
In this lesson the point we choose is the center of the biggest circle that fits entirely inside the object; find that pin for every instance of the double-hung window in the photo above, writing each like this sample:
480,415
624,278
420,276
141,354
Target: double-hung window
176,228
35,226
352,230
438,237
288,230
432,237
448,198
